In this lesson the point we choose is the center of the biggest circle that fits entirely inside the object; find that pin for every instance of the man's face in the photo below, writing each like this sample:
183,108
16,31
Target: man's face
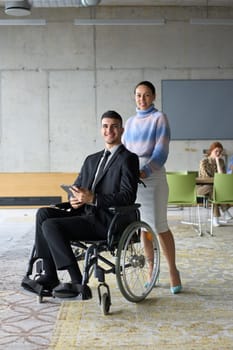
111,130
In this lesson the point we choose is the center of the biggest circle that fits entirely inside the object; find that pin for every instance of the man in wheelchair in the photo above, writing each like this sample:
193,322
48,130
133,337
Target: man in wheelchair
97,188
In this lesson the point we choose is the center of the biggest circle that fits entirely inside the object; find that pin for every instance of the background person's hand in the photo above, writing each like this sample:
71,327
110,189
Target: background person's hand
142,174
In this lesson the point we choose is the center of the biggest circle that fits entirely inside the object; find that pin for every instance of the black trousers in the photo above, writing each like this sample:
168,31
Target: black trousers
55,229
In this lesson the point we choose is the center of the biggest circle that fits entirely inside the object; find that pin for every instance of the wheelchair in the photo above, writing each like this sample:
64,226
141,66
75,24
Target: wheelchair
127,259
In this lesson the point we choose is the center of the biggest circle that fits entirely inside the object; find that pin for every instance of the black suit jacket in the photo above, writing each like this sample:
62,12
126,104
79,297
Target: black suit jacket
116,187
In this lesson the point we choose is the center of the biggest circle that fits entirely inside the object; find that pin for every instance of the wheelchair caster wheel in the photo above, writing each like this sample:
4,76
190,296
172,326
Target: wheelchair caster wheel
105,303
105,298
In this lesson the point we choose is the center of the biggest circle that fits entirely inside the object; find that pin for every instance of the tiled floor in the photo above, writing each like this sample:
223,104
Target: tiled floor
199,318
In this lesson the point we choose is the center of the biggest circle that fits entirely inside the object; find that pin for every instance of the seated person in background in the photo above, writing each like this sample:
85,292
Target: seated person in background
230,166
89,217
210,165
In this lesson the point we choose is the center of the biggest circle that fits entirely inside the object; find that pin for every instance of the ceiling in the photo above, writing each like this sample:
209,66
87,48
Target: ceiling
76,3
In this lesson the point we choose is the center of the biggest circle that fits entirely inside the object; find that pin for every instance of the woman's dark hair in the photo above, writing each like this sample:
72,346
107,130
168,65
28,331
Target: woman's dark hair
112,115
148,84
213,146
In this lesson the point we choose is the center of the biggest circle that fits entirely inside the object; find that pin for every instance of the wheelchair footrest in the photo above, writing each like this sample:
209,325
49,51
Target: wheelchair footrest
34,287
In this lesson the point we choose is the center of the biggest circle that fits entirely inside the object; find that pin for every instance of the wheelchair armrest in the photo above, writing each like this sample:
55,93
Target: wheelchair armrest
124,209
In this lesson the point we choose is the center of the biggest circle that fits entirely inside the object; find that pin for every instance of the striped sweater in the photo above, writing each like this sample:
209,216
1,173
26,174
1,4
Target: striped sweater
148,135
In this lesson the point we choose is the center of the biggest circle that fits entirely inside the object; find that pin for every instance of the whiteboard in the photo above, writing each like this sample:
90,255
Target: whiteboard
199,109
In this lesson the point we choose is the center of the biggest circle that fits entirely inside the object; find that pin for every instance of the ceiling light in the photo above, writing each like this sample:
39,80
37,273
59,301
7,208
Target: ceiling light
212,21
18,8
119,22
22,22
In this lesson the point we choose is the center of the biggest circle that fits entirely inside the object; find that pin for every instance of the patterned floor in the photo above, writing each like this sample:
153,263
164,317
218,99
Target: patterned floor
199,318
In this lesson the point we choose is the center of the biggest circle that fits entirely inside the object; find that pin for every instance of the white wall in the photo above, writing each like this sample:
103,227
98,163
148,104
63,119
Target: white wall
57,80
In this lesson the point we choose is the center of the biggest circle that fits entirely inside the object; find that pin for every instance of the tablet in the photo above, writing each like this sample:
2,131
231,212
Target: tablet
67,188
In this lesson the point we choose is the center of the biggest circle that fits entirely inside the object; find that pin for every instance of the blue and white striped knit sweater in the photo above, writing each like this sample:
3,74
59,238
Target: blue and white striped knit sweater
148,135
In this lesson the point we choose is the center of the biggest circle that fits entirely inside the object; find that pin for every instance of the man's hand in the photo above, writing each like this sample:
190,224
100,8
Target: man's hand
80,197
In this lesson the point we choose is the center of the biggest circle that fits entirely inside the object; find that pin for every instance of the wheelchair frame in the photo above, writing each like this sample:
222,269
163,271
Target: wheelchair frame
130,267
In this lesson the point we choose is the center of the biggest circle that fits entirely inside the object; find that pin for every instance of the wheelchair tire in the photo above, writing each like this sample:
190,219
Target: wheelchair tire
132,264
105,303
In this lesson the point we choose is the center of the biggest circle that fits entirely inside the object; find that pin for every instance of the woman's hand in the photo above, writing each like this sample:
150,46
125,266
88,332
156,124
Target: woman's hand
142,174
219,166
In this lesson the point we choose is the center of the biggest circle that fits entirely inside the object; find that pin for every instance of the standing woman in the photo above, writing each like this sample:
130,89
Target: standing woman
148,135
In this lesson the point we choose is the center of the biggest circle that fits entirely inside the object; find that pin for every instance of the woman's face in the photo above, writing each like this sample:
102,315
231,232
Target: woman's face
144,97
216,153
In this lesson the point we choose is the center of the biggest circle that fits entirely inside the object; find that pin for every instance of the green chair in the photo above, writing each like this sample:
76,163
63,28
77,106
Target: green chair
177,172
222,193
195,172
182,192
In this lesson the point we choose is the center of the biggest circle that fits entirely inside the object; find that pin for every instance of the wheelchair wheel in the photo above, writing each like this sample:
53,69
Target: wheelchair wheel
105,303
132,264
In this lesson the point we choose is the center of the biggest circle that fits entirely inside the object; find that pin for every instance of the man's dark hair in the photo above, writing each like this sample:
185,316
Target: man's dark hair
112,115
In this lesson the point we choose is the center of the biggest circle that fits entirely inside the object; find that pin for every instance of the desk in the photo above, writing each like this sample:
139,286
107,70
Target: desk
30,190
204,180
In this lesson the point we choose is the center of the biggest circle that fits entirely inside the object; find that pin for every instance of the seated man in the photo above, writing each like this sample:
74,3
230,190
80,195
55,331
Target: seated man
94,191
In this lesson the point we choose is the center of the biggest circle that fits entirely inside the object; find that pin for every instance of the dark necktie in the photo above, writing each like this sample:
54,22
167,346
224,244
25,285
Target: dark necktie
101,168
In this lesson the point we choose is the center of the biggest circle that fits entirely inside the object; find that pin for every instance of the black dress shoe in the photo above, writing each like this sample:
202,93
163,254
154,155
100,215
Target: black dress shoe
48,282
66,290
72,290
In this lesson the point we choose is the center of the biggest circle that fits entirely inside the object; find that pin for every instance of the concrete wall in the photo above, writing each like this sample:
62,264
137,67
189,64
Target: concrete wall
57,80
